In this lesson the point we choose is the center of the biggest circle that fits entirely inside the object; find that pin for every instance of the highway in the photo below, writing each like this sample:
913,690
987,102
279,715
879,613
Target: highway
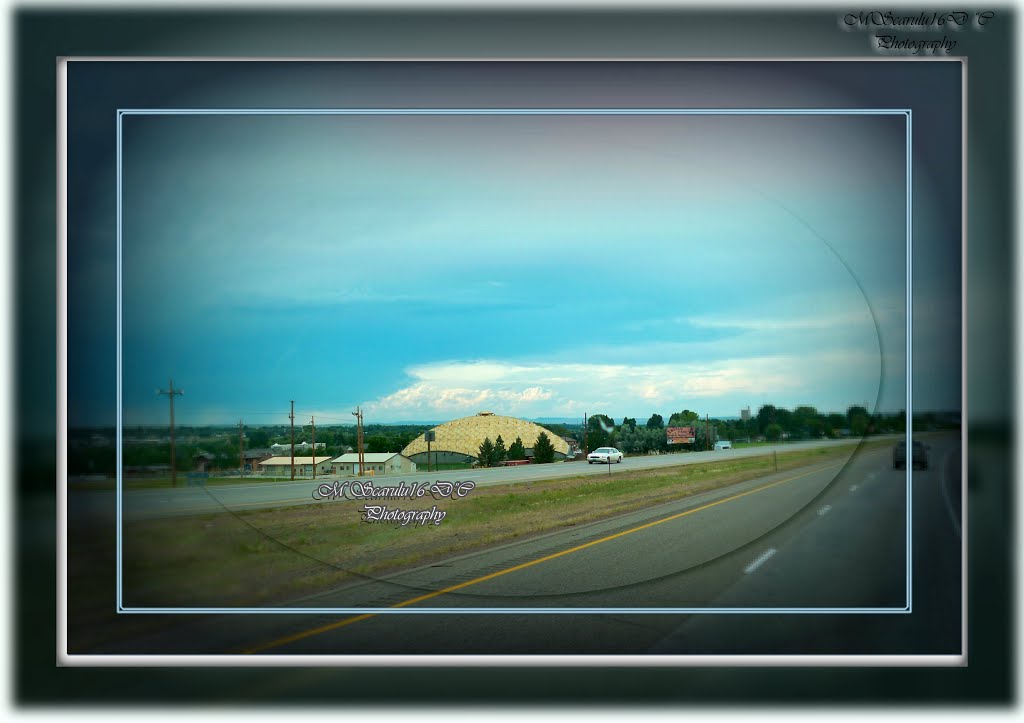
832,535
140,504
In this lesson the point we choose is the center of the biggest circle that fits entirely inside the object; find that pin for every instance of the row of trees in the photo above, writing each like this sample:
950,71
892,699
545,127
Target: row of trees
771,423
492,454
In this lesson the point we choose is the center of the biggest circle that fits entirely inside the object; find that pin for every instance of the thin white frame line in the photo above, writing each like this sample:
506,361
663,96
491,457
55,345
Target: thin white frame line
510,111
121,112
574,660
963,356
507,59
119,603
62,356
515,611
908,420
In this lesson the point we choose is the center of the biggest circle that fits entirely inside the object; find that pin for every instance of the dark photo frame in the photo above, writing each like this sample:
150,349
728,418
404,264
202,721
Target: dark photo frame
839,60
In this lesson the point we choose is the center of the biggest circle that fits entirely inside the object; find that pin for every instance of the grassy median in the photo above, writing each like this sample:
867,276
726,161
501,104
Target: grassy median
260,557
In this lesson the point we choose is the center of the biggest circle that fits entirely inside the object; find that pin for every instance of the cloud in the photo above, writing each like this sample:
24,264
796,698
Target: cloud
457,388
432,396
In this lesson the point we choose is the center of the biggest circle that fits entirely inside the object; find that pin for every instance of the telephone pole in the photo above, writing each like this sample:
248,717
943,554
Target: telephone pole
241,448
292,417
312,423
170,392
358,414
586,451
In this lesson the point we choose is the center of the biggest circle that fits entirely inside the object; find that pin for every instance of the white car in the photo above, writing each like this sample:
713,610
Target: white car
604,455
724,444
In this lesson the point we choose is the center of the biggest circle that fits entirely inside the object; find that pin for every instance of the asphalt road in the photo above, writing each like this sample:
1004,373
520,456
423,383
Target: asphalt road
140,504
828,536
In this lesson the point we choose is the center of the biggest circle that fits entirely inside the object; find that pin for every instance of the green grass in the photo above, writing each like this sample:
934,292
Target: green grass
782,445
271,555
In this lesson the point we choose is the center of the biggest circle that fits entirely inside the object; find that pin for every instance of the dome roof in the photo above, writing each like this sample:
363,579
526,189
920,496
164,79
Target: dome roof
465,435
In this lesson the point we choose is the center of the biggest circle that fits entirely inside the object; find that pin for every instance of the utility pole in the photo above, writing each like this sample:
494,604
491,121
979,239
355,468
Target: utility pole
586,450
241,448
358,414
312,423
292,417
170,392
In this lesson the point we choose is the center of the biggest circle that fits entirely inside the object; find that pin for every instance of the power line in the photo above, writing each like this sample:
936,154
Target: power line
170,392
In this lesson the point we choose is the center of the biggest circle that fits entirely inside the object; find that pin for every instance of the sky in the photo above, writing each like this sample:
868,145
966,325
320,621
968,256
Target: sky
428,268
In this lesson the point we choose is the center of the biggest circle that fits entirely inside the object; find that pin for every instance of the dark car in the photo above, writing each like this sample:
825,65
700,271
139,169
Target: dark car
920,459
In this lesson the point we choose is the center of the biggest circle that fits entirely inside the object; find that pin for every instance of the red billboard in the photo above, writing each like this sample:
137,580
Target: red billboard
681,435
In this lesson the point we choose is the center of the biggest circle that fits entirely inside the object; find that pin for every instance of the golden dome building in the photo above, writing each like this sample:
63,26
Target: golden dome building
459,440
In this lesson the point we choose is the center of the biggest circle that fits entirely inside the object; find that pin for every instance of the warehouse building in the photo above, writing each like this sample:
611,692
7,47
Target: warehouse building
459,441
281,466
376,463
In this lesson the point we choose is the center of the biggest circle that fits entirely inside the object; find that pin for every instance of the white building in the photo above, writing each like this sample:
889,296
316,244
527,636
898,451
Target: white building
281,466
377,463
300,448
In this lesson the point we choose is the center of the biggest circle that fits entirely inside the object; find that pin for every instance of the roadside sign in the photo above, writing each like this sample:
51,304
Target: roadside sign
681,435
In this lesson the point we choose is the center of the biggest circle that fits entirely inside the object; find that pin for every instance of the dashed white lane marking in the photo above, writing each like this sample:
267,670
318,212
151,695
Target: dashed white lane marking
759,561
824,510
853,488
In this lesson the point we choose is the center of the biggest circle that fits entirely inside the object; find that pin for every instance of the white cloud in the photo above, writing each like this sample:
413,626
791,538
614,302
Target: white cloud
436,397
458,388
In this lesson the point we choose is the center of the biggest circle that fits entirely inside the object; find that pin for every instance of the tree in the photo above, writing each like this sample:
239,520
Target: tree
858,418
543,450
642,440
629,440
834,423
596,434
559,430
854,411
377,443
259,438
807,422
517,450
486,456
656,422
500,453
656,440
784,418
685,418
772,432
628,422
766,415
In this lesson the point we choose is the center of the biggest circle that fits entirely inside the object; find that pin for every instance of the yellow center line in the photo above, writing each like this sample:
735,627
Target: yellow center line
437,593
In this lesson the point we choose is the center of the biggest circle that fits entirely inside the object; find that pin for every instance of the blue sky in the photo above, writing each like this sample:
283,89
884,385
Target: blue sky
430,268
